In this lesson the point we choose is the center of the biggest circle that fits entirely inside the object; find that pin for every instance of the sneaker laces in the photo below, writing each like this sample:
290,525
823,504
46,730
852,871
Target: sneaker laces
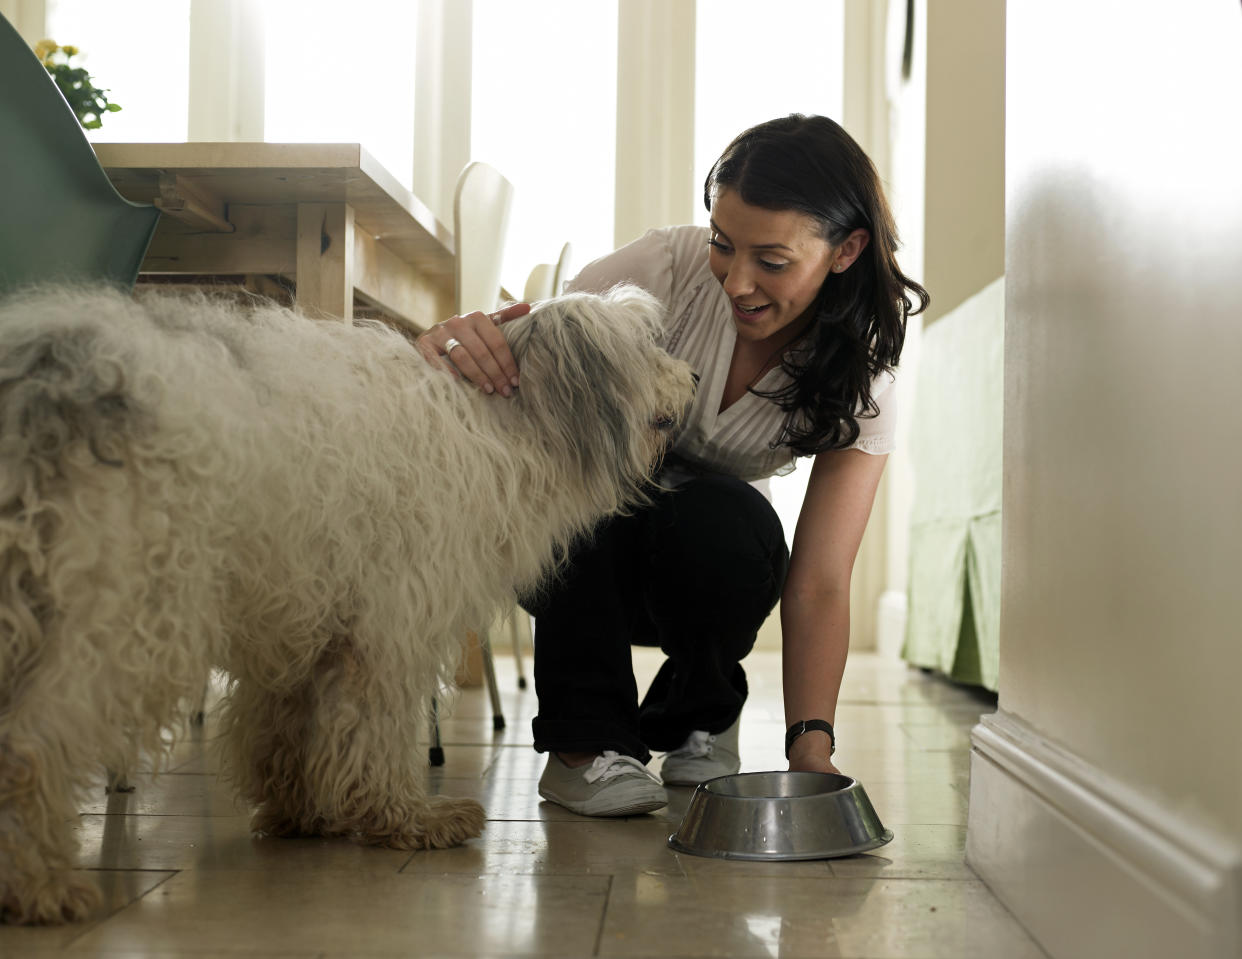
612,764
698,745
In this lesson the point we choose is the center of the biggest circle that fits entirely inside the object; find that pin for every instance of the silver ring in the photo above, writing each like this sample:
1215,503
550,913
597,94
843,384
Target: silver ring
450,344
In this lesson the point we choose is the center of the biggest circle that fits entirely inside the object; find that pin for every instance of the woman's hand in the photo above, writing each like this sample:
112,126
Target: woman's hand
812,753
475,348
818,765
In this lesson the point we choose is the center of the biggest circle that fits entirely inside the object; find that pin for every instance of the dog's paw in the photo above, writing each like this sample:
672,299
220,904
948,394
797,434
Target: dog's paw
67,897
277,823
437,824
450,822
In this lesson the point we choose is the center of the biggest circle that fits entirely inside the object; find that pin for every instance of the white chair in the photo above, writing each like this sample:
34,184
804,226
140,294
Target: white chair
539,283
561,275
481,204
548,279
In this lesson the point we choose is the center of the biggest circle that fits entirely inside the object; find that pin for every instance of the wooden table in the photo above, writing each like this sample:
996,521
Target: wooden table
326,216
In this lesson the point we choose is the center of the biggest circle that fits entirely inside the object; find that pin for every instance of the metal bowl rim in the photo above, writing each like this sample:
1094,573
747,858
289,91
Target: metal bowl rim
882,839
852,785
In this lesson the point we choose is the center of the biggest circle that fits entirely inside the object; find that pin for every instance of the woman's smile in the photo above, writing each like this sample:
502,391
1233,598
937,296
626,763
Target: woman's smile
748,314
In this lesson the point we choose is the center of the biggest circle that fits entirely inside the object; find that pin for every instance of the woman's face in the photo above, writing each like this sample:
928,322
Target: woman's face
771,264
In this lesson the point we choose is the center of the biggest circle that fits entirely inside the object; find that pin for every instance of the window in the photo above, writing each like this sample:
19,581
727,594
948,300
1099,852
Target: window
754,62
544,93
343,73
149,78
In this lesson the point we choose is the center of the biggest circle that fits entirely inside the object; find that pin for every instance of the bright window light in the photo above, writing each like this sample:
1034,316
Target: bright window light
343,73
754,62
149,78
544,114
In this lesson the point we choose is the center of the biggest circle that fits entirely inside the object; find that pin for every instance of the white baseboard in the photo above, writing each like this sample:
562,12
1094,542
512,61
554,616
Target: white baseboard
1091,869
890,624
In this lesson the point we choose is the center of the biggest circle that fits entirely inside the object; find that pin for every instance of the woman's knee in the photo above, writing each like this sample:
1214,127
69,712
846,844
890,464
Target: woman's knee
720,537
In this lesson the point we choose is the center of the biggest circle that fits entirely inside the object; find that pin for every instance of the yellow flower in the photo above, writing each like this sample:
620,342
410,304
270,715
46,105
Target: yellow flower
70,50
45,48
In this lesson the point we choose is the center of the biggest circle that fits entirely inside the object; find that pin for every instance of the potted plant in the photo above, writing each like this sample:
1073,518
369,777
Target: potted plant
88,102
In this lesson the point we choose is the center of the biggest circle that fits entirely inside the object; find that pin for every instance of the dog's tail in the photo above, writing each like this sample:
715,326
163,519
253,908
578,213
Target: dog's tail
59,389
63,403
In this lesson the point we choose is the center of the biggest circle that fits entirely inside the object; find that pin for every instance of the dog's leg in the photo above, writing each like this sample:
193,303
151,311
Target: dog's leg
37,846
364,770
263,740
340,758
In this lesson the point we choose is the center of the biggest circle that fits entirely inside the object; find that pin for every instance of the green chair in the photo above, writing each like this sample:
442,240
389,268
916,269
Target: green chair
62,219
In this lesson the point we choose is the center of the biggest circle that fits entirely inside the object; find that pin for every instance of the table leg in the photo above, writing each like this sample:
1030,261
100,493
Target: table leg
325,262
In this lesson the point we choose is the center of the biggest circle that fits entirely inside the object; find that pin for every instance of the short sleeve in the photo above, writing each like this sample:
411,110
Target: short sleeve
645,262
878,434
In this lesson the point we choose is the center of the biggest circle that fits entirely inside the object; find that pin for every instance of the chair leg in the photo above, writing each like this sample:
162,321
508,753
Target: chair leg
118,782
435,755
489,677
199,715
517,619
118,779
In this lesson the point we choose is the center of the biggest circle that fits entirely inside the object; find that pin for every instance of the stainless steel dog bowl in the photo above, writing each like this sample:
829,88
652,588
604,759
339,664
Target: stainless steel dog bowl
779,815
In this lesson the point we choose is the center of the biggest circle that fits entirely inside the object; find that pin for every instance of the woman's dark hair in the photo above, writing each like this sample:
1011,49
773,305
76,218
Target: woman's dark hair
809,164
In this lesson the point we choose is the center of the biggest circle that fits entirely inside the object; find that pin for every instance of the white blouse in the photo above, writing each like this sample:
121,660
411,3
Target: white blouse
672,265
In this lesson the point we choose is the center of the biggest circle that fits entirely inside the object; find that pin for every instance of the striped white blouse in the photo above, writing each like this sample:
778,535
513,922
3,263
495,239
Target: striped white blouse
672,265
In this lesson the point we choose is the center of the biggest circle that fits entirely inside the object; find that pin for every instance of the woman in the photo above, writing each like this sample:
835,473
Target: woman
791,308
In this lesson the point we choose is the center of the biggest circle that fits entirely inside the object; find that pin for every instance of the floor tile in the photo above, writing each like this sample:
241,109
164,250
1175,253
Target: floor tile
905,919
939,738
184,877
906,764
169,794
119,888
591,847
915,852
314,910
737,916
917,803
192,842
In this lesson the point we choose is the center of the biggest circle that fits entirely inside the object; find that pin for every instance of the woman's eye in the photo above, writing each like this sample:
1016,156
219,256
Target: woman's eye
719,246
772,267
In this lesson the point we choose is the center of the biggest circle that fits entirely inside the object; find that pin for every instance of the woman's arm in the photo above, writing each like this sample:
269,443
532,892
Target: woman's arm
815,604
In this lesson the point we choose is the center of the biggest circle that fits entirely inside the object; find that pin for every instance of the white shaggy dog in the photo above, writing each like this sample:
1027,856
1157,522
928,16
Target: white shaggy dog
306,505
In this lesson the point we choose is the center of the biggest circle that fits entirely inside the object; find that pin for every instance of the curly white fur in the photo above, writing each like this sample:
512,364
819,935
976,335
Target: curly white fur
305,504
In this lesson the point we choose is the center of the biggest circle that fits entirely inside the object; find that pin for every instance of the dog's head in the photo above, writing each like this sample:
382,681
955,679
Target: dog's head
595,380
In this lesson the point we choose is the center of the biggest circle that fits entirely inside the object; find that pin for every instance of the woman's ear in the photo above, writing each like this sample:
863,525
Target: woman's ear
850,249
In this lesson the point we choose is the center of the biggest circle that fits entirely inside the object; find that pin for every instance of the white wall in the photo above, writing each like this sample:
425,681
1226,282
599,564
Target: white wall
964,201
655,116
1106,801
27,17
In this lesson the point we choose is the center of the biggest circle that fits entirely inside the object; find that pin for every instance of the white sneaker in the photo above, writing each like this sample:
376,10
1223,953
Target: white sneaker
703,756
612,785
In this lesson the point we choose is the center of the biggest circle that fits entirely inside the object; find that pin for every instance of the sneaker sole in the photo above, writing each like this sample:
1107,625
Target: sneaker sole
694,779
588,808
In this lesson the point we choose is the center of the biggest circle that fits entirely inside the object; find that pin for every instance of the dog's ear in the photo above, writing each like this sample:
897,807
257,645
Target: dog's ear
588,369
564,365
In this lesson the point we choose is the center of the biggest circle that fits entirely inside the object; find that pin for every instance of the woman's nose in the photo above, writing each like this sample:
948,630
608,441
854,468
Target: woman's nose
738,281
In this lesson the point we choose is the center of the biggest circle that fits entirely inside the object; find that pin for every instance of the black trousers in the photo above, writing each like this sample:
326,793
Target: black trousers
695,573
